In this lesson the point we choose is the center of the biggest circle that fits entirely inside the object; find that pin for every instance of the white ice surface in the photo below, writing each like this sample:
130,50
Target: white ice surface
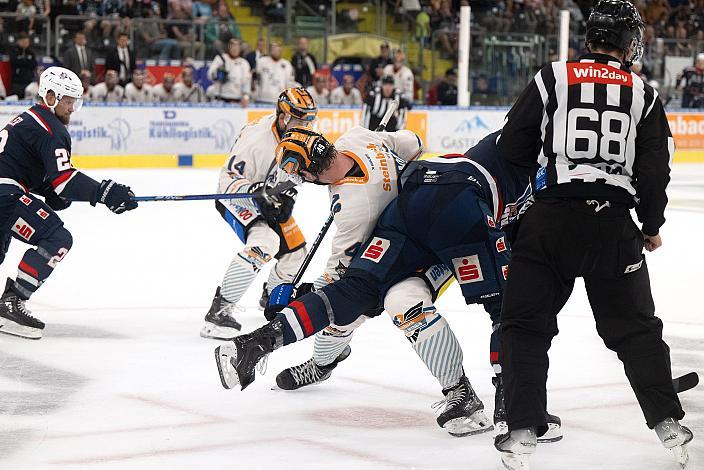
121,378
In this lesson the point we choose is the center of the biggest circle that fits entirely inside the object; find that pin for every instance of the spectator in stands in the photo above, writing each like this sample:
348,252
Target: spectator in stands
447,90
378,101
274,75
376,66
86,77
156,40
78,57
121,58
221,28
274,11
108,91
177,5
164,92
254,56
231,75
182,31
304,63
691,81
188,91
23,63
138,91
201,11
403,76
25,21
319,90
30,91
346,94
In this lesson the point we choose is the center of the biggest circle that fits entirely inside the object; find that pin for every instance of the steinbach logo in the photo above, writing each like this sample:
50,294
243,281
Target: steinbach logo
23,229
467,269
580,72
376,249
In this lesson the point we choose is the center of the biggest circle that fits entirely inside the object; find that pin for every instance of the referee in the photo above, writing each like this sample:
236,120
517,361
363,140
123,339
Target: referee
378,101
603,146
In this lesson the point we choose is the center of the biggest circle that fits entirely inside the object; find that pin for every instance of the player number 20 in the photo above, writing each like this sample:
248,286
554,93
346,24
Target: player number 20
63,160
603,145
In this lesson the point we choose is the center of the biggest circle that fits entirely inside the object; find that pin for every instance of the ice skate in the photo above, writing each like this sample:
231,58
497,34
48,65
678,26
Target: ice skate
516,447
264,299
15,318
554,432
308,373
675,437
237,361
219,321
464,411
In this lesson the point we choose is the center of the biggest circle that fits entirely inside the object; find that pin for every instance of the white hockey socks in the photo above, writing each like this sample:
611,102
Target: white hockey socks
329,344
241,272
437,346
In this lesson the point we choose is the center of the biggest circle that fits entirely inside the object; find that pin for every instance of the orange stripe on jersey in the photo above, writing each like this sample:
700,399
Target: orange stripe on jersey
354,179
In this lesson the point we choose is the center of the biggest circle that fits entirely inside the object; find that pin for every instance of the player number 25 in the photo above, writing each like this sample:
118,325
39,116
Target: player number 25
63,160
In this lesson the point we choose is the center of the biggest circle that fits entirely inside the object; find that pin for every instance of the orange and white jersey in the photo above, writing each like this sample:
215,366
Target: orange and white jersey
252,155
364,196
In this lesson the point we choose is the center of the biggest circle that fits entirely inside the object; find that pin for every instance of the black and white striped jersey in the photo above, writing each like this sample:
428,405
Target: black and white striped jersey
595,130
375,107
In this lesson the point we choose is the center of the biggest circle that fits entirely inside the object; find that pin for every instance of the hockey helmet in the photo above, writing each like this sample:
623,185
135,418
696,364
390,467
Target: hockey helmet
298,104
63,82
302,149
617,24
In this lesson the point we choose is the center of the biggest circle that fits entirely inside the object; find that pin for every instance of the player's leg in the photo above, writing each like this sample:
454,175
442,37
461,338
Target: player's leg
292,251
32,222
261,244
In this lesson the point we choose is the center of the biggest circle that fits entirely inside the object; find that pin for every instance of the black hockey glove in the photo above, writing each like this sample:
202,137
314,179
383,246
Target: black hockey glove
282,295
117,197
52,199
275,208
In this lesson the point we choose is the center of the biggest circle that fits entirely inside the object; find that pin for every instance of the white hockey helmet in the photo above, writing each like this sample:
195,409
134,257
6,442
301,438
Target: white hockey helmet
62,82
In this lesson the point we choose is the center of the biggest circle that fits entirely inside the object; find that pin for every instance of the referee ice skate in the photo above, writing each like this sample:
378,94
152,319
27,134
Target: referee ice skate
35,158
603,146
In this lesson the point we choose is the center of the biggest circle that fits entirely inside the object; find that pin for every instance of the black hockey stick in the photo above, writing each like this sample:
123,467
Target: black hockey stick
685,382
316,244
279,188
393,106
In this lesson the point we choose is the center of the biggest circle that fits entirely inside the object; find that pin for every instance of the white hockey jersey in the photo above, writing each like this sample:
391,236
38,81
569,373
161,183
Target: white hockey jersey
274,77
339,97
161,95
100,92
363,198
403,80
319,98
189,94
239,77
138,95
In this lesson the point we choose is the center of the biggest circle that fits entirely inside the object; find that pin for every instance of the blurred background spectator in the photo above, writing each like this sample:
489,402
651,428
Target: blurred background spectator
121,58
138,91
319,90
164,92
108,91
86,77
79,57
447,90
377,65
231,75
220,29
346,94
403,76
274,74
23,63
304,63
691,81
187,91
30,92
258,52
156,40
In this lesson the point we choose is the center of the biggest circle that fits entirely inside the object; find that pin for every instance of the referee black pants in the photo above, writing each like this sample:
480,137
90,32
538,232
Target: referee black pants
558,241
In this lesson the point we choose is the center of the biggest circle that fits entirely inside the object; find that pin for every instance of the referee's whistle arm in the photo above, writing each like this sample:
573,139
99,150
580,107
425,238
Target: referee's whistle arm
652,242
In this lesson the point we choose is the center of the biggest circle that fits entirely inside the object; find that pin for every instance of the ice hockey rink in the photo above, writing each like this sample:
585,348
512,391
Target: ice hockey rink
122,379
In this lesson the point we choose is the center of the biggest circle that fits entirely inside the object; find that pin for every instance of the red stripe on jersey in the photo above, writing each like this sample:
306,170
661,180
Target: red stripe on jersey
303,316
593,72
41,121
29,270
453,155
61,178
494,357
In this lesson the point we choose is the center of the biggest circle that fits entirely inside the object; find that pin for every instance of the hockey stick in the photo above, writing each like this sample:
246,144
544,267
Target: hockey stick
387,116
685,382
316,244
279,188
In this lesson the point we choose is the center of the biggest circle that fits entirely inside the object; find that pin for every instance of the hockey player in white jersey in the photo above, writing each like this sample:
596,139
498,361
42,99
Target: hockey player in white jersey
266,228
362,180
274,73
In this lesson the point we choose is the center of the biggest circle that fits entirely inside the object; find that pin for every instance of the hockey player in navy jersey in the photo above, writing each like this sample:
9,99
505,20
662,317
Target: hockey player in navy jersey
35,159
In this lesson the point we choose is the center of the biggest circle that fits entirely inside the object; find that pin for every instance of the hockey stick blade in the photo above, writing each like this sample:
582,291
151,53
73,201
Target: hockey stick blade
393,106
279,188
685,382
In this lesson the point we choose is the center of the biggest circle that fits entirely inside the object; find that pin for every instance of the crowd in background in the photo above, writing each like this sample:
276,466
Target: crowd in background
243,73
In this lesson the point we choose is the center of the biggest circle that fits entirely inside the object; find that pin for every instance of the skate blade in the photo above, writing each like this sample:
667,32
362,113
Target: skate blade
464,426
513,461
222,333
682,456
228,374
553,434
15,329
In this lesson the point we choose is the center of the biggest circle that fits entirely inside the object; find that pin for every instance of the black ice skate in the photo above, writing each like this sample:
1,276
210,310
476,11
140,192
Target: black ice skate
554,432
675,437
237,361
219,322
516,447
15,318
264,299
308,373
464,411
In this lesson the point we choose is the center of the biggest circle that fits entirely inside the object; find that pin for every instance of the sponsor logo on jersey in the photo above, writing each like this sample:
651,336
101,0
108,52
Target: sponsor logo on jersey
23,229
604,74
631,268
504,271
501,245
438,275
467,269
376,249
380,155
490,221
25,200
42,213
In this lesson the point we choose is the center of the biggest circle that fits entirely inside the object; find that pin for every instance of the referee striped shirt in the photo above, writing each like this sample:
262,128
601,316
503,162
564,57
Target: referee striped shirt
593,130
375,107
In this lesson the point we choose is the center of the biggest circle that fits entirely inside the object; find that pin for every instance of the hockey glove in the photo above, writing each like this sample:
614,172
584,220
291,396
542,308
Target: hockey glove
52,199
275,208
117,197
282,295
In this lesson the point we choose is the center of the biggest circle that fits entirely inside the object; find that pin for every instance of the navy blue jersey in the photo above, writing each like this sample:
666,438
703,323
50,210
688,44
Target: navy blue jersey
35,153
506,188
